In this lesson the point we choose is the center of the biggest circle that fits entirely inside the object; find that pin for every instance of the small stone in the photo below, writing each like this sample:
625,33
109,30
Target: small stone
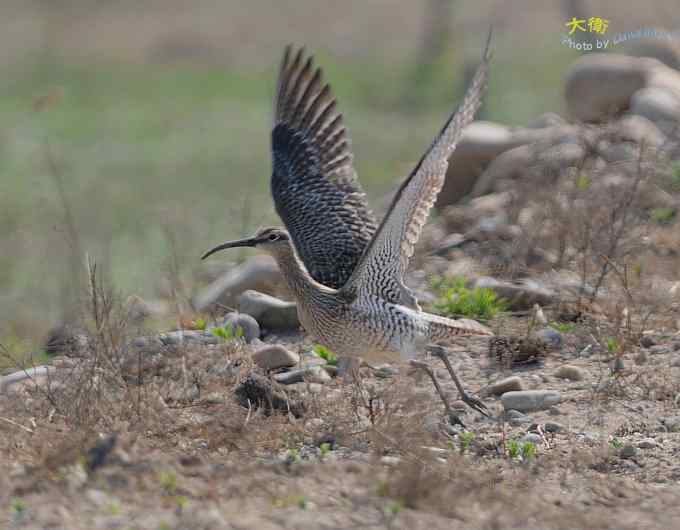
550,337
502,386
647,443
249,325
275,356
567,371
313,374
271,312
530,400
215,398
554,411
531,438
553,426
515,417
647,341
659,349
627,451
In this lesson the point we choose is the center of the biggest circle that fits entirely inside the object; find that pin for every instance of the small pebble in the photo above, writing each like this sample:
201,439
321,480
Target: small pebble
508,384
570,372
647,443
531,438
627,451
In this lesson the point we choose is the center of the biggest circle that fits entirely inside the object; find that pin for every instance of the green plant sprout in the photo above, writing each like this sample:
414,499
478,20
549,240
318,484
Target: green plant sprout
228,333
326,354
456,300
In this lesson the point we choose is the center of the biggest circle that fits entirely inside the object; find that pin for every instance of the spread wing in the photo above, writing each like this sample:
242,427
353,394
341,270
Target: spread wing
381,269
314,185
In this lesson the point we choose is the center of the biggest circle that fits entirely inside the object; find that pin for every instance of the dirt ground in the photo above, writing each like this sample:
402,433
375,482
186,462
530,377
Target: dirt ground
371,454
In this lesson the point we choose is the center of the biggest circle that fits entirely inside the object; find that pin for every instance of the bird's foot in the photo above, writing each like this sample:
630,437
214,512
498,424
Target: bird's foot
475,403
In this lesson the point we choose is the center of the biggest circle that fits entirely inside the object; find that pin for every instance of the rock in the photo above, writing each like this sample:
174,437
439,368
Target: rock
176,338
37,375
627,451
550,337
481,143
502,386
275,356
664,50
139,309
519,296
532,438
530,400
509,165
647,443
249,326
600,85
548,119
515,417
554,411
647,341
657,104
259,272
638,129
659,349
270,312
313,374
572,373
553,427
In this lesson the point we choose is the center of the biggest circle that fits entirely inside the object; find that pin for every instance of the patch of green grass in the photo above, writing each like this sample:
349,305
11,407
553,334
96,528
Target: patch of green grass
466,438
168,482
326,354
456,300
583,182
662,215
227,332
562,327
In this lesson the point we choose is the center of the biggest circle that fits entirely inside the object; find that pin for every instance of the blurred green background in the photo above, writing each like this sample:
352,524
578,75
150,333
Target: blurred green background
137,131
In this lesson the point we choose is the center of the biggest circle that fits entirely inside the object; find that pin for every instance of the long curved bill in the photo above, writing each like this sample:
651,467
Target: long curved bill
247,242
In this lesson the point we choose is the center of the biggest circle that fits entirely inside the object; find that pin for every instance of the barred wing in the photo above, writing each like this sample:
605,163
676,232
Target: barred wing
314,185
381,269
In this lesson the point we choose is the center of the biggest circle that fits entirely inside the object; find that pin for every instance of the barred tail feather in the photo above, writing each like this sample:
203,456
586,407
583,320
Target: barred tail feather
444,329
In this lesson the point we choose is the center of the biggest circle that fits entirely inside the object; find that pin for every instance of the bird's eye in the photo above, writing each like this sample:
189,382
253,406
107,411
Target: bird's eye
273,237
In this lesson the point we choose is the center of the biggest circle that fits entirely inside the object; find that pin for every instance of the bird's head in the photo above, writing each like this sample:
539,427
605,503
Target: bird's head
272,239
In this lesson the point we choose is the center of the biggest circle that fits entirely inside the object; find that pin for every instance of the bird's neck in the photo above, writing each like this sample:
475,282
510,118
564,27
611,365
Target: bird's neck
296,275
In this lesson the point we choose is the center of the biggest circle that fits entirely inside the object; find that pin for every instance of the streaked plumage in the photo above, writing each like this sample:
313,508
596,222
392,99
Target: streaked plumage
315,189
350,283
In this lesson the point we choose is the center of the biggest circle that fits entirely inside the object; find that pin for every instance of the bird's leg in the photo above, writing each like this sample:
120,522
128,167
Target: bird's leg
468,399
428,370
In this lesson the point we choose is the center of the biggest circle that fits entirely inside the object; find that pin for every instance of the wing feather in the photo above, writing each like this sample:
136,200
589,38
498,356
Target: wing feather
314,185
381,269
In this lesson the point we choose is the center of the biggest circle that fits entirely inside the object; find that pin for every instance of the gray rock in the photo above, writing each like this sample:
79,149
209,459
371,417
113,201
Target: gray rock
248,325
259,272
550,337
508,384
553,427
548,119
531,438
519,296
639,129
599,85
659,349
627,451
515,417
657,104
275,356
647,443
176,338
37,375
647,341
530,400
572,373
271,312
313,374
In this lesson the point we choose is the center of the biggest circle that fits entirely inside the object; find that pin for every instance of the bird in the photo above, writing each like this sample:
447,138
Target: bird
344,269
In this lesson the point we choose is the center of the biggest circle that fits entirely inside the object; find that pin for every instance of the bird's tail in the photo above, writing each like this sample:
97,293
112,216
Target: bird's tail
444,329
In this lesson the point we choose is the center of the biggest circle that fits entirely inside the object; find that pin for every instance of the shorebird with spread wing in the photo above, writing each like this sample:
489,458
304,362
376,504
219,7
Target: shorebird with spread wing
345,270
